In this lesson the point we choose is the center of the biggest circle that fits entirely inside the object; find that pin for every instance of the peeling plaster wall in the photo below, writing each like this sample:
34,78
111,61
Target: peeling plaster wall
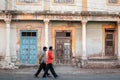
102,5
16,26
28,7
2,4
78,35
77,6
2,38
94,38
13,40
92,5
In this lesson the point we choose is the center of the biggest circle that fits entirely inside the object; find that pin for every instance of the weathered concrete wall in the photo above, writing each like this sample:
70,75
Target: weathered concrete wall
76,6
92,5
79,40
77,35
16,26
116,41
16,5
101,5
13,41
2,38
94,35
2,4
54,24
94,38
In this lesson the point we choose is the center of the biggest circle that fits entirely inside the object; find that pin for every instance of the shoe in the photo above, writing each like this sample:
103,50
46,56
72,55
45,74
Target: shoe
57,78
48,75
44,79
35,76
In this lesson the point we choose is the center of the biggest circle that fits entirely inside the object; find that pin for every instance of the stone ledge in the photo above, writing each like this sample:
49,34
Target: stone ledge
102,59
5,65
103,64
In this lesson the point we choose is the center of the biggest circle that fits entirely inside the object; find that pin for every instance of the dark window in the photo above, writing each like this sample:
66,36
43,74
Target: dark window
60,34
67,34
24,34
29,34
33,33
109,43
109,36
63,34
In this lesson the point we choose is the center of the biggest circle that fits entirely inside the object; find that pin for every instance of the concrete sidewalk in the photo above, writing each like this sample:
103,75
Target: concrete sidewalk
63,70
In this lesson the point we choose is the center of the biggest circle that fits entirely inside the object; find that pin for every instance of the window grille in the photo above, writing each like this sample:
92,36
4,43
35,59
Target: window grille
29,1
63,1
113,1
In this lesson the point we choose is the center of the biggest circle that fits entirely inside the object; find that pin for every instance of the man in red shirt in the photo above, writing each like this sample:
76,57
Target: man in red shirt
49,61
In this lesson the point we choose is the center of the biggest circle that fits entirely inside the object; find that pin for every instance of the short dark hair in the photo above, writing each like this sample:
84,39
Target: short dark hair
50,48
44,48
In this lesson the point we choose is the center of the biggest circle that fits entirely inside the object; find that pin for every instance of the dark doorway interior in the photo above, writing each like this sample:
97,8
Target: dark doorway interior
109,42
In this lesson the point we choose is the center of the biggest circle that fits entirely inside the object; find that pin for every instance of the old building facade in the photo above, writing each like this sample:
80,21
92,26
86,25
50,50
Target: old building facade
83,29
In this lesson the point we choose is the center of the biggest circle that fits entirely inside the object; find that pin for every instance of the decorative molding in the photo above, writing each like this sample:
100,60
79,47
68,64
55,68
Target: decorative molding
46,20
102,18
66,17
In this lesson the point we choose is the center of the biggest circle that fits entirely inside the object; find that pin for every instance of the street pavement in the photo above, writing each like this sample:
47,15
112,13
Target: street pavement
64,72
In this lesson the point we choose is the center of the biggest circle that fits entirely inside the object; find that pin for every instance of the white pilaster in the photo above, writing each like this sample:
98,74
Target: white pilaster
46,21
84,56
7,21
118,55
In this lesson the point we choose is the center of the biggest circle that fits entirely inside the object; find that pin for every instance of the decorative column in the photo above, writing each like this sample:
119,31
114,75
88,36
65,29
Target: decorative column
46,21
118,55
7,21
84,56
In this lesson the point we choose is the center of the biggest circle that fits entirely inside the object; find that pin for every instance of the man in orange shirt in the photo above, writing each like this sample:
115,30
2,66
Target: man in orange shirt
49,61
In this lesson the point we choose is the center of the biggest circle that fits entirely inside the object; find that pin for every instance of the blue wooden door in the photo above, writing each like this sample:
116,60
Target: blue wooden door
28,47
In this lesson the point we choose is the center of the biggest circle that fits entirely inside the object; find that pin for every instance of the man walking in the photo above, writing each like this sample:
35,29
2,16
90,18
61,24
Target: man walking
42,62
49,61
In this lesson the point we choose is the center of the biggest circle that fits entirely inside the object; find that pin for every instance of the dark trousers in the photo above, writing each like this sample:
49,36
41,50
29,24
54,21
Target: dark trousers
42,66
50,66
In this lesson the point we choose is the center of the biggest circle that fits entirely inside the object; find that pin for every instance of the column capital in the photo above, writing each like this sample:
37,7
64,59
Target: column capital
118,22
46,20
7,19
84,20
